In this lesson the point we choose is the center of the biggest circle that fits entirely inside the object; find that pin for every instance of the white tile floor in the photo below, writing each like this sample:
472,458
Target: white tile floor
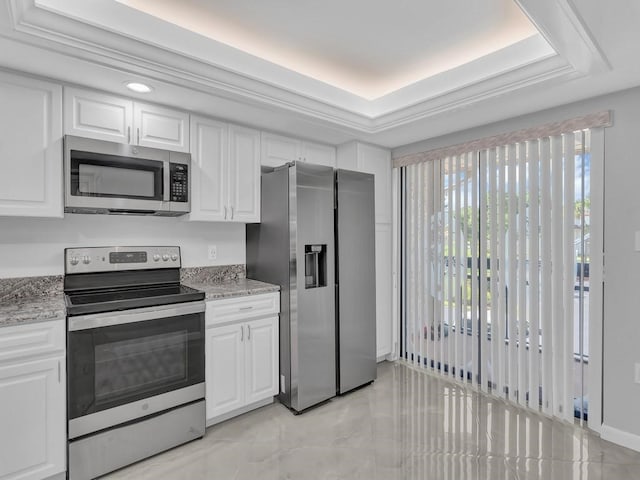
407,425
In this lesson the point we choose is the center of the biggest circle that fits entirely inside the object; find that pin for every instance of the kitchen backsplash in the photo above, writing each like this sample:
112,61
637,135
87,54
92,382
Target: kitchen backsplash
29,287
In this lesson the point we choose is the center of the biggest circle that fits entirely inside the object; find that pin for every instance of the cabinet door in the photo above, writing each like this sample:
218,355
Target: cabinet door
225,378
208,169
383,289
96,115
160,127
378,161
261,359
244,175
319,154
30,147
32,414
278,150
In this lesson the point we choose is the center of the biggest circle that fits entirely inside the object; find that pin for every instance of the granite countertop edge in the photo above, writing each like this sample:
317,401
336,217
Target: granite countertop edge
233,288
25,311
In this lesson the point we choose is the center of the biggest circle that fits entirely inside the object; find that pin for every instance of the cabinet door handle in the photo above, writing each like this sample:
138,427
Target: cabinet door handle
138,129
129,134
225,212
248,332
59,372
231,207
241,333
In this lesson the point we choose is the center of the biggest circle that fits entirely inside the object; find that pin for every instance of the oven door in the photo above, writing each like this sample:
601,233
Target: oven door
129,364
106,176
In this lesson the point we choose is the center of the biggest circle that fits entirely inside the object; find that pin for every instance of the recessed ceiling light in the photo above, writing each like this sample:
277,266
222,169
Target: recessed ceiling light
138,87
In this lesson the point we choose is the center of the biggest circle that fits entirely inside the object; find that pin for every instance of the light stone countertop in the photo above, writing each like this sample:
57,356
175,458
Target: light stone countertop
232,288
31,310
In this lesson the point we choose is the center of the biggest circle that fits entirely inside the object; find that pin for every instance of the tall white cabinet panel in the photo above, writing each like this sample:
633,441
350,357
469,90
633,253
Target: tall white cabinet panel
262,359
225,369
376,160
209,152
33,402
96,115
161,127
244,174
116,119
384,288
30,147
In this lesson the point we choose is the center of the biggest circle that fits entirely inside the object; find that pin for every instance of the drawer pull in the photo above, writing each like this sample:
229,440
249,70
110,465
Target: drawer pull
246,308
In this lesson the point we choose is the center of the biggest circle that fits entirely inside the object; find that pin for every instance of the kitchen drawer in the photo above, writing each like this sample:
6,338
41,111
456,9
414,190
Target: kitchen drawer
240,308
32,340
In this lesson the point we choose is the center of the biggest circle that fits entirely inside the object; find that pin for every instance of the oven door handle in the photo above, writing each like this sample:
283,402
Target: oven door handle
107,319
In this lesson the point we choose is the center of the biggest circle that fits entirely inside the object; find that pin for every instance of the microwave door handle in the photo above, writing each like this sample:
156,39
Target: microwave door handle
166,190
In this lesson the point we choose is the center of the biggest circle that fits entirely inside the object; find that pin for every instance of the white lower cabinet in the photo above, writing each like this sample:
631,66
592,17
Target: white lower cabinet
241,354
33,434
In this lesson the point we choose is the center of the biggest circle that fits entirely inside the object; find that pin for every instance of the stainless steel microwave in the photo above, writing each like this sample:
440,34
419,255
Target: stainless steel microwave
113,178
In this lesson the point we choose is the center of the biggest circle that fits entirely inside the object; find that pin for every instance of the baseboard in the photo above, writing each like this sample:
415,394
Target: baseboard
384,357
239,411
58,476
620,437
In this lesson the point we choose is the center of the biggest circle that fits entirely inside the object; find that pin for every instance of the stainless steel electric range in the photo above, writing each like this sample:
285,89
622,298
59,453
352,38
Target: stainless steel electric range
135,356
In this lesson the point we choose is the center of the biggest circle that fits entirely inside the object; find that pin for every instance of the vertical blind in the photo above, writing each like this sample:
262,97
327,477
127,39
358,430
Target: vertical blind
495,265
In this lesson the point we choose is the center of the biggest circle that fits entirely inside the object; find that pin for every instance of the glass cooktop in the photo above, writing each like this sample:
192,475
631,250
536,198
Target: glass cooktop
106,300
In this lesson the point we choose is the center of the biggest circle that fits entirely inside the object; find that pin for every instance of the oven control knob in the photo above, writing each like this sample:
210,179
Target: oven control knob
156,258
174,257
86,259
165,257
74,260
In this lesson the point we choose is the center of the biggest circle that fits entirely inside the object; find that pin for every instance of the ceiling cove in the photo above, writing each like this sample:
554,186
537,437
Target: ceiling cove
539,41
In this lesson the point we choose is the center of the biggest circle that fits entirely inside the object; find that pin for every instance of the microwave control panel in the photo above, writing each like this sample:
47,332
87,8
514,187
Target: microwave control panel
179,182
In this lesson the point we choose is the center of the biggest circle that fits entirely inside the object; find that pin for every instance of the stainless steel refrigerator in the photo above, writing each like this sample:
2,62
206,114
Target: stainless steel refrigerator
316,240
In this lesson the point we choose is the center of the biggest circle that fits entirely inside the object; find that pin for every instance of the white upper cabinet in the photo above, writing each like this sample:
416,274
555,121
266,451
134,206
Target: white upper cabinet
95,115
107,117
278,150
319,154
30,147
225,172
209,147
244,175
370,159
161,127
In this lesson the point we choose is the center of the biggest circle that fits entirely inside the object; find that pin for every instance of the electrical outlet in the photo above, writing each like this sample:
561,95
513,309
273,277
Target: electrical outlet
212,252
637,373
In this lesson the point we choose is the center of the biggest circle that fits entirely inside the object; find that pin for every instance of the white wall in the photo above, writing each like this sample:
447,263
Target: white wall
34,246
621,344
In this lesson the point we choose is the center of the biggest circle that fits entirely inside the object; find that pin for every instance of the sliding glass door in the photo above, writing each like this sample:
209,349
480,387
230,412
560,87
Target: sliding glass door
496,269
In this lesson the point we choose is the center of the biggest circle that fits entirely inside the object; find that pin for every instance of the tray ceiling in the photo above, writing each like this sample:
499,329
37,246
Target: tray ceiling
384,72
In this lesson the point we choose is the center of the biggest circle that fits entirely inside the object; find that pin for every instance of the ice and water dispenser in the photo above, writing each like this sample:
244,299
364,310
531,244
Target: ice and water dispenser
315,266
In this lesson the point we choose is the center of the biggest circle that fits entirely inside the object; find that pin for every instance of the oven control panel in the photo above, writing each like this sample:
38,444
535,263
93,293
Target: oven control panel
111,259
